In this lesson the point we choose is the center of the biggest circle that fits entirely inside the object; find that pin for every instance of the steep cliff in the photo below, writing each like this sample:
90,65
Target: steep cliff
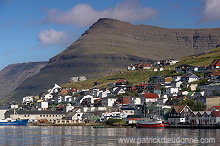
13,75
109,45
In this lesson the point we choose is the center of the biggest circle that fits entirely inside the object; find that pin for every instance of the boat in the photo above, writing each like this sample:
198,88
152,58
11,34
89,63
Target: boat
9,122
150,123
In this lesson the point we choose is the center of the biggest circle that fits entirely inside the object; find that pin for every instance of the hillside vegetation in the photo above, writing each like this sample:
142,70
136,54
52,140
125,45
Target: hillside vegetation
140,76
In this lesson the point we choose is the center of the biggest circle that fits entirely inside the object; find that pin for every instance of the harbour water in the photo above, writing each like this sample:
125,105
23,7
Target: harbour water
87,135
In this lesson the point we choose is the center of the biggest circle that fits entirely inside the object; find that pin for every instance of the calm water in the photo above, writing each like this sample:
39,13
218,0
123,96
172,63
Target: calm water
86,135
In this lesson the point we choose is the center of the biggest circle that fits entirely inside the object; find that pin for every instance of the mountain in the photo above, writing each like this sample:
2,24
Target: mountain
13,75
109,45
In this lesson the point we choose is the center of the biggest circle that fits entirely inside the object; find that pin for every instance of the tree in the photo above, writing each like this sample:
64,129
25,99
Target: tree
195,106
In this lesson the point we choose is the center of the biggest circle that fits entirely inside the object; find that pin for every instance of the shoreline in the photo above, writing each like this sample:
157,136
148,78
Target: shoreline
102,125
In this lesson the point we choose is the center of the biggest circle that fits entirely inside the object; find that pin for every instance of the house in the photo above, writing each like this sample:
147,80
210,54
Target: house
51,92
127,111
204,117
172,90
208,74
131,67
215,63
75,115
179,114
168,80
60,99
121,82
132,119
42,105
2,113
118,90
212,89
215,108
182,68
124,100
103,93
190,77
135,101
77,79
157,79
28,99
149,97
35,116
147,66
109,101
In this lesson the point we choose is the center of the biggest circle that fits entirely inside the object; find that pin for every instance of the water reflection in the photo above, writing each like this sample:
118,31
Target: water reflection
85,135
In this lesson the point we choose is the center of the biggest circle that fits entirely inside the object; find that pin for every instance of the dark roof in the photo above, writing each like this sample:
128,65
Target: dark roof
126,108
133,116
189,75
184,65
21,112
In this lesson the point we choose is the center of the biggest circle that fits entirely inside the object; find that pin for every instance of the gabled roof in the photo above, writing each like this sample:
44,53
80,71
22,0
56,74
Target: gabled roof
216,113
150,95
184,65
189,75
217,107
179,108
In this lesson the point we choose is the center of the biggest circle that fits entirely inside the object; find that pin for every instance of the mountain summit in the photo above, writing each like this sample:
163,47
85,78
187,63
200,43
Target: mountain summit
109,45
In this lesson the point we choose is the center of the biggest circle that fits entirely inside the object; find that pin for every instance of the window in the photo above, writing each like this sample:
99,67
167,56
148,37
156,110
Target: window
78,115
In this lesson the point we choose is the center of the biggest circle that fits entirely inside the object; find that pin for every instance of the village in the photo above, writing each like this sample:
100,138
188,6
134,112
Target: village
181,99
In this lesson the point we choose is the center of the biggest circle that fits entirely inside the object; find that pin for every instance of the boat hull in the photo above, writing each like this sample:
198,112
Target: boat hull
160,125
15,123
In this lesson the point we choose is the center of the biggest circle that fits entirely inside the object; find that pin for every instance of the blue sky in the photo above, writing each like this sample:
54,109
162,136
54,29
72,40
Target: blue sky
36,30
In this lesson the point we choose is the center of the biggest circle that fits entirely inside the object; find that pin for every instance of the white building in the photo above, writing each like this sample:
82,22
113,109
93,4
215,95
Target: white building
28,99
149,97
42,105
172,90
109,101
2,113
59,99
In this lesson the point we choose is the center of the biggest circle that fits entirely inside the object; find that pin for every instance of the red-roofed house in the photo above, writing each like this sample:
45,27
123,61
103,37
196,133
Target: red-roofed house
215,108
215,63
121,82
214,117
149,97
147,66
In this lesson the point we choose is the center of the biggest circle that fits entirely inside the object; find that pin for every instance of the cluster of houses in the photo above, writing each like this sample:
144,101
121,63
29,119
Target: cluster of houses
157,97
158,65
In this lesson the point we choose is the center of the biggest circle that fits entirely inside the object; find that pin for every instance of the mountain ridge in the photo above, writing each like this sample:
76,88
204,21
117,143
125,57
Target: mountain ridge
109,45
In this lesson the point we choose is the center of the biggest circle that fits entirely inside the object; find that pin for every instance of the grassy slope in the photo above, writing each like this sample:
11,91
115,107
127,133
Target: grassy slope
139,76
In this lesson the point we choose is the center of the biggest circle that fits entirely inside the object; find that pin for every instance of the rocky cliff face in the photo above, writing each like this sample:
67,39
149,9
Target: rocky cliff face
110,45
13,75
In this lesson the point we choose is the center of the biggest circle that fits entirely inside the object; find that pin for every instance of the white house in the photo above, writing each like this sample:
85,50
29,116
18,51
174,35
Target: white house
190,77
172,90
55,89
109,101
204,117
59,99
149,97
28,99
135,101
2,113
42,105
103,94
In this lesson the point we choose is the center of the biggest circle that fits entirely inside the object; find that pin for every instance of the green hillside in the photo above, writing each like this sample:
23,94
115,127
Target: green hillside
140,76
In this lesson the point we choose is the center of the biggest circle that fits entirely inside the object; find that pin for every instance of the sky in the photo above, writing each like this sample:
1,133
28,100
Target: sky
36,30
